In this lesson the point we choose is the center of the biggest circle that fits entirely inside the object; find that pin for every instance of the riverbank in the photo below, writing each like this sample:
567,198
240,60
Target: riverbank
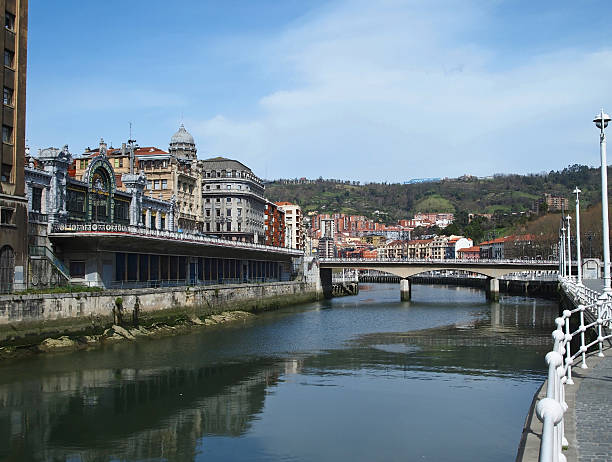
117,333
27,320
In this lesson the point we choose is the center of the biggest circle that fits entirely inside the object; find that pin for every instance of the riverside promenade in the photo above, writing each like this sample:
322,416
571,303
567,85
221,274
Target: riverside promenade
589,406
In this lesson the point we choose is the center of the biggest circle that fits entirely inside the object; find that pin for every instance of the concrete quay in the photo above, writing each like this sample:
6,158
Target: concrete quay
589,404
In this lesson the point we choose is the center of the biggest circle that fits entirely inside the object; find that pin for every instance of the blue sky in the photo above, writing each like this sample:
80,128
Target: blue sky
372,91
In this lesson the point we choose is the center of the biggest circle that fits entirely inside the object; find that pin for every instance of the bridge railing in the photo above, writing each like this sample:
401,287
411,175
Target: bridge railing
594,313
444,261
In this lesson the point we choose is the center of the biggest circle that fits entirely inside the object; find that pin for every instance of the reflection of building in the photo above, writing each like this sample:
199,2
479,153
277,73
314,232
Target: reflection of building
13,203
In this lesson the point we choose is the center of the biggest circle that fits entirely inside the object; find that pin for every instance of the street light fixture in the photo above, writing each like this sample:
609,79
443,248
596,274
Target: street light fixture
601,121
562,250
578,253
569,247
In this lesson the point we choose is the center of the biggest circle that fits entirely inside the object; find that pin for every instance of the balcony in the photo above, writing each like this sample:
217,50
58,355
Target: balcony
37,217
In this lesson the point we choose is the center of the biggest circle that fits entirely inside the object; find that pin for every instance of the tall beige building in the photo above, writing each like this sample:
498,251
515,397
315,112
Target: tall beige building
13,203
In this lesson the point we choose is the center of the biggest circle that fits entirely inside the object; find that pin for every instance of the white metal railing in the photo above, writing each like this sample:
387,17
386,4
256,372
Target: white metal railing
444,261
594,312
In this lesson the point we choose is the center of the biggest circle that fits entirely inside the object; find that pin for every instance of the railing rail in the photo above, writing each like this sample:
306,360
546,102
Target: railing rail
444,261
42,251
550,410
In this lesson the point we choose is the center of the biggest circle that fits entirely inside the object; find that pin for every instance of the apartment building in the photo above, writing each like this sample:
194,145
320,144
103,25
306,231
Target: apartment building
13,201
294,229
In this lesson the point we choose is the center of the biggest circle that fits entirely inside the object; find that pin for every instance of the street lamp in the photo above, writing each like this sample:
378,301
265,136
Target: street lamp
578,254
562,253
569,247
601,121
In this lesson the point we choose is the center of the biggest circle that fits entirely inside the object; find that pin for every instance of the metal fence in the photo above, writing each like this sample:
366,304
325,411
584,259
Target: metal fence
594,313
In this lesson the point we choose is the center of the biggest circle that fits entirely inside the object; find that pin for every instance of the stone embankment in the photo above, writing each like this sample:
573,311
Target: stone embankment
117,333
89,318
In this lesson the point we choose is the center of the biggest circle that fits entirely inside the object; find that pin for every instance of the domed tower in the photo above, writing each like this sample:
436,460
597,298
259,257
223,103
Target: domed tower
182,145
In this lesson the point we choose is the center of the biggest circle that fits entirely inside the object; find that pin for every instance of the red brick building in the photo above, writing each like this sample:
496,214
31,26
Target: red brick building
274,225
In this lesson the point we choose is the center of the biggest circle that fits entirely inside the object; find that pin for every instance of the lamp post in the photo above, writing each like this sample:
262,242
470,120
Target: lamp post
578,253
601,121
569,247
562,253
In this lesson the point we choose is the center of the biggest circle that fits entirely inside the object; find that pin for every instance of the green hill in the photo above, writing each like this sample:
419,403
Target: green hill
502,194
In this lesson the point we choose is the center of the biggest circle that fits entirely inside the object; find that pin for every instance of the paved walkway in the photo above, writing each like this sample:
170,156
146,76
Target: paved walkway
593,412
589,403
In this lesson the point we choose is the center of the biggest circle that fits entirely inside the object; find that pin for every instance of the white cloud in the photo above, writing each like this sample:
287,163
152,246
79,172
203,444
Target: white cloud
392,90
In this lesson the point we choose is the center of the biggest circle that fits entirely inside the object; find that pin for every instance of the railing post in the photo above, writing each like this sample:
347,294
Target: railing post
568,339
599,304
582,329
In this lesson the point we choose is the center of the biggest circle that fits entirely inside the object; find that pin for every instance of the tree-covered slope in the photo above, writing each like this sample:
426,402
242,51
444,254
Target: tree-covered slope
502,194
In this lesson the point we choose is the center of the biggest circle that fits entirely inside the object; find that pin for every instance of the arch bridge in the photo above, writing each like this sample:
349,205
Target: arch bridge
405,268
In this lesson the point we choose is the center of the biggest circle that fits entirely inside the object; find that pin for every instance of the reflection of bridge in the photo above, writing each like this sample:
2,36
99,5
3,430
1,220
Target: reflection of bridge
405,268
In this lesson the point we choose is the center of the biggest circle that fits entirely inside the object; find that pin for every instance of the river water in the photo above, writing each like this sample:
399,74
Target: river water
445,377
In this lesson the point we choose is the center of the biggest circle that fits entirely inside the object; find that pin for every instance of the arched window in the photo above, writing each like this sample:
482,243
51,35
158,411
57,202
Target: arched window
100,196
7,269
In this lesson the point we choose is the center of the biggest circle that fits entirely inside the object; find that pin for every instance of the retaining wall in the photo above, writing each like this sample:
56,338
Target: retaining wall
27,319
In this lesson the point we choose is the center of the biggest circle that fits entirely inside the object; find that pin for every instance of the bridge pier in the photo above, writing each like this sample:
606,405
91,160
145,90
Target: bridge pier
405,289
326,282
493,289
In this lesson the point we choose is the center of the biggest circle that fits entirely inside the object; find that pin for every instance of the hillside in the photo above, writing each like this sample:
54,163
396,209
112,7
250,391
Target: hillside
390,202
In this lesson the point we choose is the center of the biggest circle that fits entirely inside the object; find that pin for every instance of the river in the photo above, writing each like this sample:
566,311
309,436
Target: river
445,377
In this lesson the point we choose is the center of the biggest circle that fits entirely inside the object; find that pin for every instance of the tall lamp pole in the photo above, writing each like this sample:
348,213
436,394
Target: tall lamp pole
578,254
564,268
601,121
569,247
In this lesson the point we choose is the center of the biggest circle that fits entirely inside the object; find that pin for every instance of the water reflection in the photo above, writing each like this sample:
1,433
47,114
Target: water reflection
195,397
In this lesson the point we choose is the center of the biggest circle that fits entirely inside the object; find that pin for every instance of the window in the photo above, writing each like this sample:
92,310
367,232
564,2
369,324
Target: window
190,189
9,21
218,186
207,212
229,199
228,212
8,96
77,269
217,200
6,216
229,226
239,186
208,186
218,212
239,200
121,162
207,226
229,186
207,174
7,134
36,199
116,163
162,224
218,226
149,184
156,184
208,200
164,184
9,58
239,226
239,212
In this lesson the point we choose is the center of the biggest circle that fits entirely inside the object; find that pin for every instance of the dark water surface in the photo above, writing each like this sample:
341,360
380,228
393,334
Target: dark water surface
445,377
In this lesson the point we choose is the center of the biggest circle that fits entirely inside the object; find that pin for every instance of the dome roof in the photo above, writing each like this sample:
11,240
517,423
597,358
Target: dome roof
182,137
